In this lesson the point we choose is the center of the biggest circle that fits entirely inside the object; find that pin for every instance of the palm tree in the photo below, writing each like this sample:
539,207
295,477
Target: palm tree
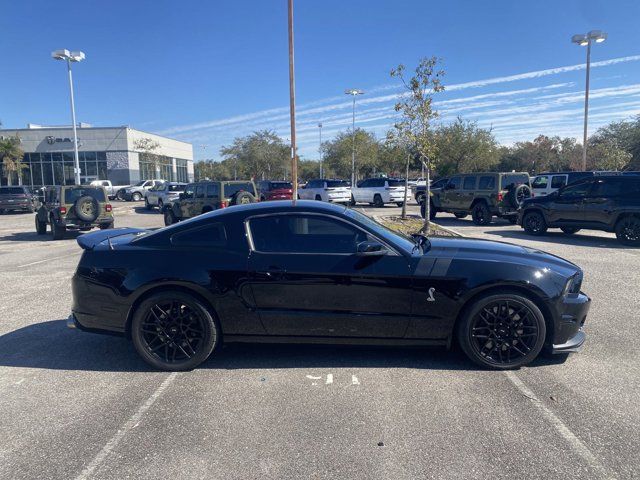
11,155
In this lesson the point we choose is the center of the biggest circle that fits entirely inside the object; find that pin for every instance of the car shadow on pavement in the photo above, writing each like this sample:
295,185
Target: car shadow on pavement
51,345
144,211
34,237
576,239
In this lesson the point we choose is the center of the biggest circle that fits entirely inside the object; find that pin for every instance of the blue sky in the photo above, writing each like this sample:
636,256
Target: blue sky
208,71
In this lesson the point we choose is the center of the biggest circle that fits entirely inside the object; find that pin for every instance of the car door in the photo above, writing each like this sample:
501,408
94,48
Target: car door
567,206
307,279
557,182
186,203
601,202
449,196
359,192
465,198
199,199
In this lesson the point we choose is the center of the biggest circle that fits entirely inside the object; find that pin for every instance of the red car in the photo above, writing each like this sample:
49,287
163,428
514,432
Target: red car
274,190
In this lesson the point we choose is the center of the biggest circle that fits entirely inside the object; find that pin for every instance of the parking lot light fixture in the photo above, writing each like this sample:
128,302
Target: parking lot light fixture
69,57
585,40
354,92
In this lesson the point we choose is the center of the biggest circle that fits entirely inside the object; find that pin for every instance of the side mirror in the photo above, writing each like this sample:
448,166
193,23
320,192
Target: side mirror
371,249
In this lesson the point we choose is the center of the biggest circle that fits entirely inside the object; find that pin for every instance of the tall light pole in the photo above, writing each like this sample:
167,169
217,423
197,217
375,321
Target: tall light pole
72,57
292,106
320,148
585,40
354,92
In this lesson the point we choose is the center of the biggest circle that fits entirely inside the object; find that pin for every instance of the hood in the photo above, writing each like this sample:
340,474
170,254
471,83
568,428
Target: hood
492,251
110,237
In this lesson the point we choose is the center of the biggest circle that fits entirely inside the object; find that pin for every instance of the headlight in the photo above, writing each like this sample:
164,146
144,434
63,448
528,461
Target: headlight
574,284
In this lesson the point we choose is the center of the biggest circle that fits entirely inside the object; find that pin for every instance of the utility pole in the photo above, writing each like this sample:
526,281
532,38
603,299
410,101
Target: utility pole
320,148
292,107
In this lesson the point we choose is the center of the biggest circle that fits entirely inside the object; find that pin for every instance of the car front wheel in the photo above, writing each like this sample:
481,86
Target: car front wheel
169,217
502,331
174,331
534,223
481,214
136,197
377,201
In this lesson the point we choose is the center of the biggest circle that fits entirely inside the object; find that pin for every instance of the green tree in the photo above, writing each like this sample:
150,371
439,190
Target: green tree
413,128
308,169
543,154
260,155
148,152
11,155
624,135
607,154
465,147
338,152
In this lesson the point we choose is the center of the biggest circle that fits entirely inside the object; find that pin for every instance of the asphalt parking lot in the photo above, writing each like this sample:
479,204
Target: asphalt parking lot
79,405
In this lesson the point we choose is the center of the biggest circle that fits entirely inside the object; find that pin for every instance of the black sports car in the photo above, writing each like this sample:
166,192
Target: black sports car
314,272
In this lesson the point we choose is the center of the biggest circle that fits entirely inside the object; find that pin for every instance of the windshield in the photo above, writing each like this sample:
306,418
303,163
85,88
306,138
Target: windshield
176,188
400,239
139,184
396,183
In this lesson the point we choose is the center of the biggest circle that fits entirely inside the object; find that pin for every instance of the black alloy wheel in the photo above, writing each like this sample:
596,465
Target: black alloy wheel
173,331
534,223
377,201
502,331
628,231
481,214
569,230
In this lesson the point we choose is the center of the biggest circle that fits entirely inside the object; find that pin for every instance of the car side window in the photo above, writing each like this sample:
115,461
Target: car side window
210,236
558,181
469,183
541,181
188,191
310,234
576,189
454,183
487,182
200,191
606,188
212,190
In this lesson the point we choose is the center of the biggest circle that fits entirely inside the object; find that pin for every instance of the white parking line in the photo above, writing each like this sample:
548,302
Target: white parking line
131,423
48,260
576,444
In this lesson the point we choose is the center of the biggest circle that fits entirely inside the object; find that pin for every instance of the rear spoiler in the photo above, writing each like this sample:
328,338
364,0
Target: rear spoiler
89,240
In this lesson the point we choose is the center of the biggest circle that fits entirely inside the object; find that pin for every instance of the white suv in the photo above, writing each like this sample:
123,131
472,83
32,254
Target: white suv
326,190
378,191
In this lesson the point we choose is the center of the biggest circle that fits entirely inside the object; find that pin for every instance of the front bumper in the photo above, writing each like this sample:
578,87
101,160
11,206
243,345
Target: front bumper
569,335
573,345
339,199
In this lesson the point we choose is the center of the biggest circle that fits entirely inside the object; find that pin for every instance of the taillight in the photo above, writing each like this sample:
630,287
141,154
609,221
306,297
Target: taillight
63,210
224,204
107,207
499,196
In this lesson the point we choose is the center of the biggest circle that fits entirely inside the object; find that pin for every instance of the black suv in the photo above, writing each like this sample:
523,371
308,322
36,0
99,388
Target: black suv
17,198
207,195
609,203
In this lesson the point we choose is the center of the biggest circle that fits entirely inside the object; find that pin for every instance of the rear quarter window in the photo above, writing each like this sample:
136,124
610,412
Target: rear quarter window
469,183
558,181
513,180
231,189
207,236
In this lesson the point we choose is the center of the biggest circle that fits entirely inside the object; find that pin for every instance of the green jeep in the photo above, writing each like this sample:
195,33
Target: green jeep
207,195
73,207
482,195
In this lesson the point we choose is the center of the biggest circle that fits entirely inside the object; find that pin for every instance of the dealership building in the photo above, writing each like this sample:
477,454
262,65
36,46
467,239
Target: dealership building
105,153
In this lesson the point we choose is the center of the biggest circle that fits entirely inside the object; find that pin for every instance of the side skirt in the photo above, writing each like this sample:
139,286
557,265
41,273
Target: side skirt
332,340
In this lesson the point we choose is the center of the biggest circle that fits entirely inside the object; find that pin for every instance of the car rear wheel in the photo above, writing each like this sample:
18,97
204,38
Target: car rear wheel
136,197
534,223
169,217
57,231
628,231
318,198
569,230
174,331
377,201
481,214
502,331
41,227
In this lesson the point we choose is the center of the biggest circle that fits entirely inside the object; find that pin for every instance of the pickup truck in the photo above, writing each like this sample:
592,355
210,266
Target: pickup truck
112,190
136,192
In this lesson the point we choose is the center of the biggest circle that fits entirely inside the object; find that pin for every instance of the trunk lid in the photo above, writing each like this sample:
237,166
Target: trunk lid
113,237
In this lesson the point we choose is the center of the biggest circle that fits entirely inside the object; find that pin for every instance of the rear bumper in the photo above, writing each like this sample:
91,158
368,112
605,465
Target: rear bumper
340,199
16,205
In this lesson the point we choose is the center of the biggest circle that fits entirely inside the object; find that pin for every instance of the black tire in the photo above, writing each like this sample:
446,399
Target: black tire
174,331
57,231
169,217
569,230
87,208
628,231
147,205
399,204
517,195
420,197
120,195
502,331
534,223
461,215
41,227
136,197
106,226
242,198
377,201
481,214
318,198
